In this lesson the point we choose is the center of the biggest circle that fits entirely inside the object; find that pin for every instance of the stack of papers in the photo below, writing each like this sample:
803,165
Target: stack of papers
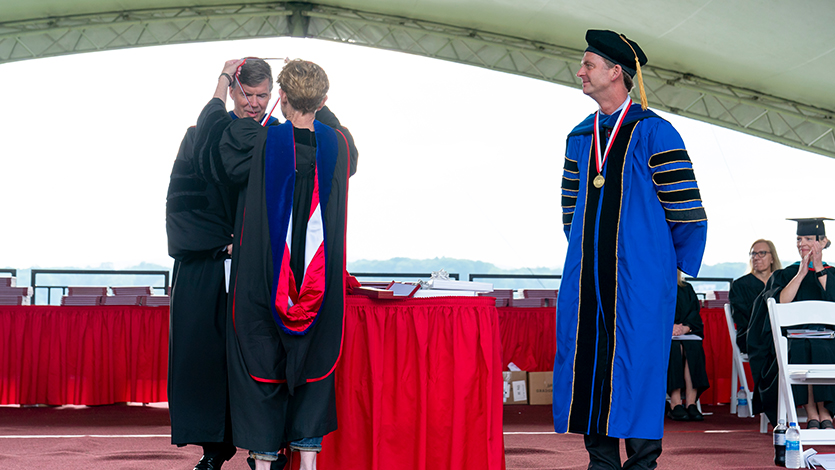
500,293
157,301
86,290
806,333
549,295
460,285
688,337
452,288
122,299
528,303
81,300
502,296
12,295
24,291
15,300
813,459
8,281
133,290
714,303
539,293
443,293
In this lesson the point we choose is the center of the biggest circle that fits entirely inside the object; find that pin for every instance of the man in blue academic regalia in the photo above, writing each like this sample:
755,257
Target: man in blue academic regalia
632,213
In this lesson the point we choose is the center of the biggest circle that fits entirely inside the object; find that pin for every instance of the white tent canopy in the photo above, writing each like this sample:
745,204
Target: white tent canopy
760,67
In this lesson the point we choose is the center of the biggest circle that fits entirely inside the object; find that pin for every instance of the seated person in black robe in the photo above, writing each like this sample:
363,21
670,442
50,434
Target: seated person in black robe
762,261
809,279
686,370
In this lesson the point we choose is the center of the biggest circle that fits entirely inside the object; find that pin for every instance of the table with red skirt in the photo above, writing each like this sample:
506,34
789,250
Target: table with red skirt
418,384
529,341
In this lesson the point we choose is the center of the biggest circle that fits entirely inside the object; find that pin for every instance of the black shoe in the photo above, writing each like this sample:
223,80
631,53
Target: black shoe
678,413
694,413
219,453
274,465
210,463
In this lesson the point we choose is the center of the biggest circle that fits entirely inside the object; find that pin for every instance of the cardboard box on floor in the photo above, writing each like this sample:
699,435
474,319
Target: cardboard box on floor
515,387
540,388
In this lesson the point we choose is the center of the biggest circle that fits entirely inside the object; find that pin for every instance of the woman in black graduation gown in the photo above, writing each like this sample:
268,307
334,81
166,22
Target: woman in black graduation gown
285,307
686,369
762,261
809,279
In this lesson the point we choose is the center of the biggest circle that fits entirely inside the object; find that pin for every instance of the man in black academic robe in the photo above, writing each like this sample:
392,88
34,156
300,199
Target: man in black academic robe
199,221
281,360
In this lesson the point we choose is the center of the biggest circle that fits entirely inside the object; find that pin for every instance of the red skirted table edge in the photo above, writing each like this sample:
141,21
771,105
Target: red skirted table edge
528,338
419,386
83,355
419,381
719,358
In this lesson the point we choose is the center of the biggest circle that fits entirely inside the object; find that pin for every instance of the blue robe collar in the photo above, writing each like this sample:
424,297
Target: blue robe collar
270,122
635,114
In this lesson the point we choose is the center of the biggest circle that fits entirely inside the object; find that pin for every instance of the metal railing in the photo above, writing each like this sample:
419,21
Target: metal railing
49,288
392,276
514,276
474,276
11,271
381,275
518,277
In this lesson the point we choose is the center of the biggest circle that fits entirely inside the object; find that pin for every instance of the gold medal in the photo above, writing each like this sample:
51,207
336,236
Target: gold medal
601,156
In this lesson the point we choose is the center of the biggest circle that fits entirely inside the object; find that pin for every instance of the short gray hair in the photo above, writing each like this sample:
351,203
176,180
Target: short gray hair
254,72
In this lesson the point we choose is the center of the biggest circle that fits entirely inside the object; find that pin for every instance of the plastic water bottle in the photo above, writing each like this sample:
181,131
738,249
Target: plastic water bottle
742,403
794,459
780,443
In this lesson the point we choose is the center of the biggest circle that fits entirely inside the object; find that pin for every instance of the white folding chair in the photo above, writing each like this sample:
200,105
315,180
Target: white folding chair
800,313
738,376
738,369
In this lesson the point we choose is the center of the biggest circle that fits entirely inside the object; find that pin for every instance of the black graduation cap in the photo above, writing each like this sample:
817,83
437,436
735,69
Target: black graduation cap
617,48
813,226
622,51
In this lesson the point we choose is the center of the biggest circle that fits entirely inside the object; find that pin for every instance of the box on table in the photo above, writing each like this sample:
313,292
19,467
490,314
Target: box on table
540,388
515,387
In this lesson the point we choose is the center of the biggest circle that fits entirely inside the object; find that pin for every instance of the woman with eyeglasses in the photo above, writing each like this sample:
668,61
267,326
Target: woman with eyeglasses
809,279
762,261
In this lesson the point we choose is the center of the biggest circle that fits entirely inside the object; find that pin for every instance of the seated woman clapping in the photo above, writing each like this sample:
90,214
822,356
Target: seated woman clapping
809,279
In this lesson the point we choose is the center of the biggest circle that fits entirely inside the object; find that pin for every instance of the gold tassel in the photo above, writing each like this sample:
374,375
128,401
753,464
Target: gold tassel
638,75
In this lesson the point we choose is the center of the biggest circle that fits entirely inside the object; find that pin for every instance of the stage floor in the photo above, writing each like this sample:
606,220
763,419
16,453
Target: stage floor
133,436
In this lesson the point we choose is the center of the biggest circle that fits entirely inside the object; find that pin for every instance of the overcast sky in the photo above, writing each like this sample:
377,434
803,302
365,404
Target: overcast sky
454,160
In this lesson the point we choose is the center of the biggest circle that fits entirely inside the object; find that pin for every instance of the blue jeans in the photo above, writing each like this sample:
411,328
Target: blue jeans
307,444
